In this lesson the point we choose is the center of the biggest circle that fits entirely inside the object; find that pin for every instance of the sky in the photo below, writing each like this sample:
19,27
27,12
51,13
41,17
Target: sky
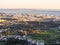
30,4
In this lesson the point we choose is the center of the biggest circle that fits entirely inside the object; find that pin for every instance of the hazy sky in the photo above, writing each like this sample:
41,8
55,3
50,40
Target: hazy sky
30,4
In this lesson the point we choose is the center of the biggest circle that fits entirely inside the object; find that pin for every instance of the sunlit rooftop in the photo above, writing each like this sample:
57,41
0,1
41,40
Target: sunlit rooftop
2,20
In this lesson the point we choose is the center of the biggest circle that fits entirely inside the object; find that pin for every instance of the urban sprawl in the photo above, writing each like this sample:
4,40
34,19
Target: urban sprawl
44,28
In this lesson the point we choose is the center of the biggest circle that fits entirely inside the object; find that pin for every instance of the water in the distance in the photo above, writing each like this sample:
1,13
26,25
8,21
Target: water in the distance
30,11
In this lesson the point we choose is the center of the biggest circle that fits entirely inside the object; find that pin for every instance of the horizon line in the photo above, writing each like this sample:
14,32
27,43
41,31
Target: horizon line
30,8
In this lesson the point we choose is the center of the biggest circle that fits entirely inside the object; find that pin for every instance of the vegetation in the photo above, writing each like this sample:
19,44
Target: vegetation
48,31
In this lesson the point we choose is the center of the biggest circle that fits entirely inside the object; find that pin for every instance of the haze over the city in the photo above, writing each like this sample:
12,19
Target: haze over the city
30,4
